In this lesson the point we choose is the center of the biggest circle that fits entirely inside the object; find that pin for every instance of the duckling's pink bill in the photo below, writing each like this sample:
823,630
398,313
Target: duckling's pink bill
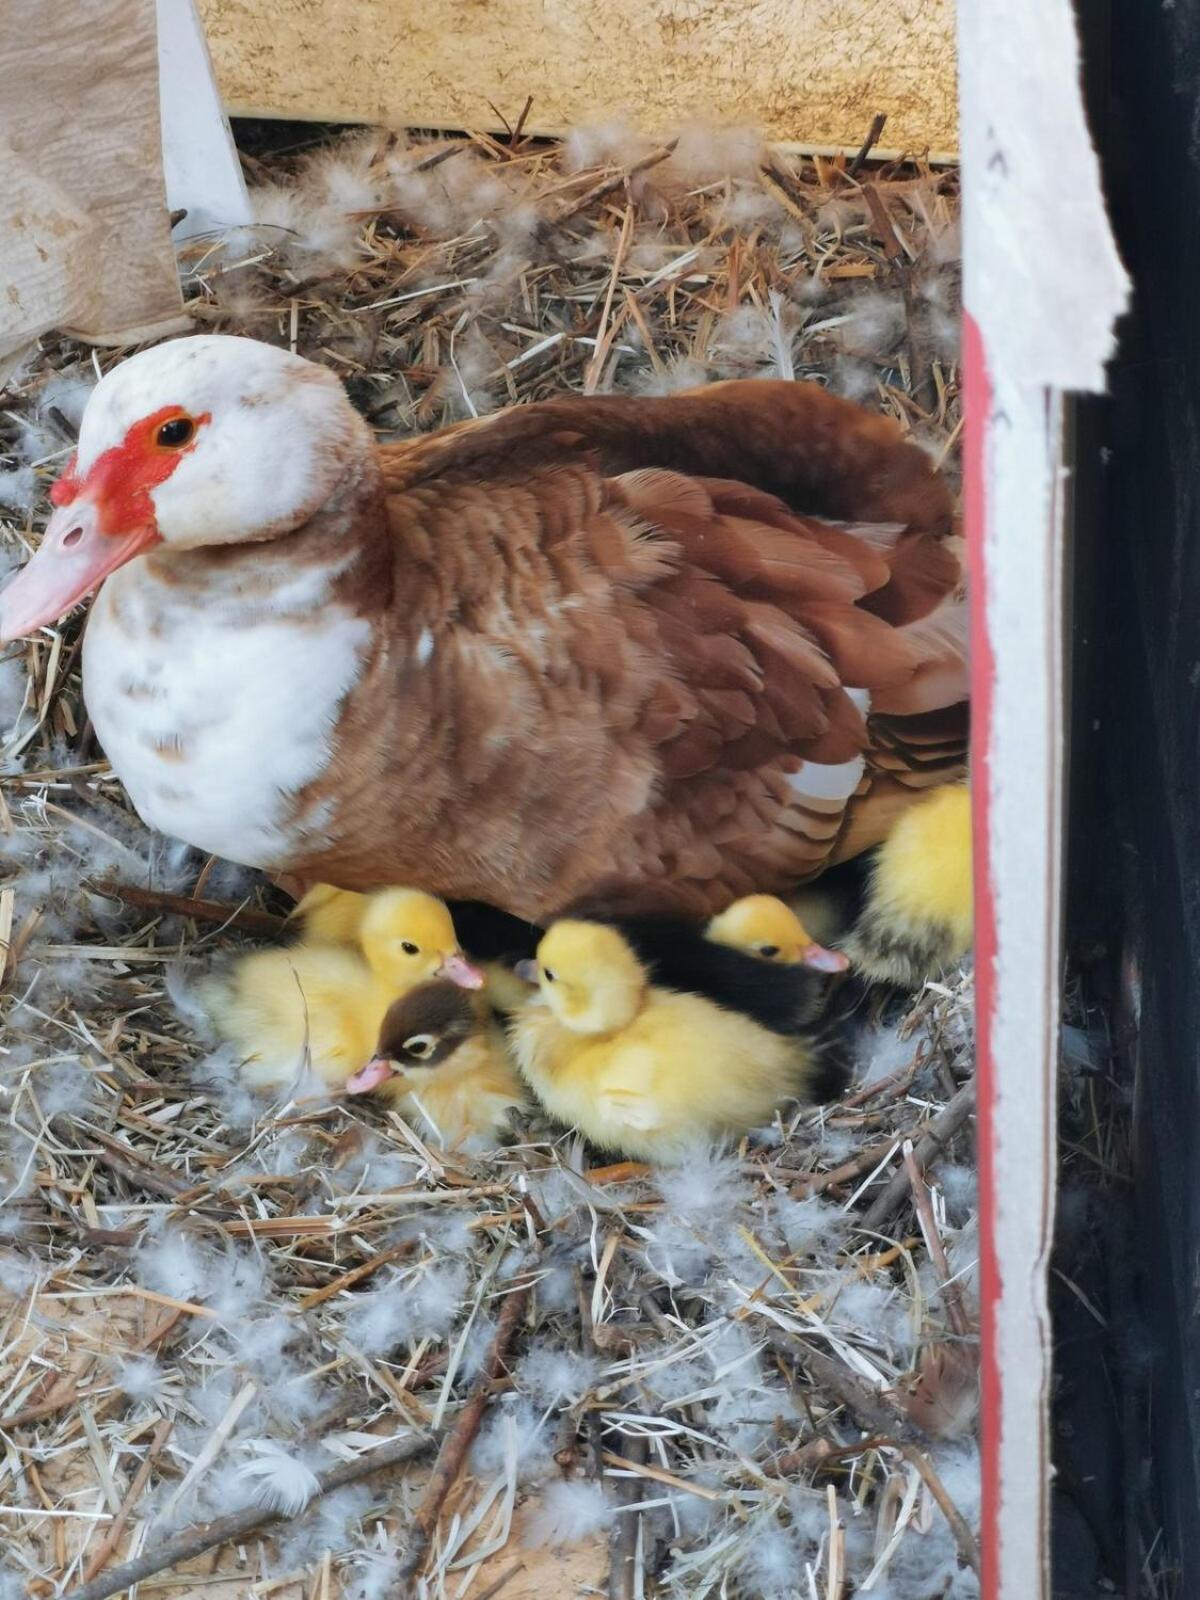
460,971
816,955
372,1075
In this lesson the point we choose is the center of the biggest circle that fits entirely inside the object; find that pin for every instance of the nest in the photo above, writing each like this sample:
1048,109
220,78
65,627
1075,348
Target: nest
296,1348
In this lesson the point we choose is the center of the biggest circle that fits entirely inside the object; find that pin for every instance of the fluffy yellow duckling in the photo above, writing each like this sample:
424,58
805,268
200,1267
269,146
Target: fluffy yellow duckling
434,1057
763,925
329,915
917,917
324,1004
335,916
639,1070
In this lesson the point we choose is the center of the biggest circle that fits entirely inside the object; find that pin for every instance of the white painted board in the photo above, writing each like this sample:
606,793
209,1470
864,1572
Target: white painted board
204,176
1043,288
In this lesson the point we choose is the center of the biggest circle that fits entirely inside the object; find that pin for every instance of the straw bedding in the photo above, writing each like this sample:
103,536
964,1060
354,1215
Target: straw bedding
294,1348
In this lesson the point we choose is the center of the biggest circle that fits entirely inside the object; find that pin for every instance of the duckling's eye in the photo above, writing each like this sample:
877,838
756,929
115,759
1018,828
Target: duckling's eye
175,434
768,950
409,948
548,975
420,1046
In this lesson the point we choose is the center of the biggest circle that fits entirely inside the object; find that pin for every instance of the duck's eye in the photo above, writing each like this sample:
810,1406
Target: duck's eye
420,1046
548,975
409,948
768,950
175,434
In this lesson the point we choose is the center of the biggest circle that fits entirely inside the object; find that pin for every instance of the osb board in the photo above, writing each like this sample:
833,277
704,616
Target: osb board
810,72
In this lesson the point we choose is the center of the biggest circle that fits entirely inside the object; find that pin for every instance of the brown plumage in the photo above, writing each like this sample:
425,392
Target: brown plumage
659,650
437,1055
606,643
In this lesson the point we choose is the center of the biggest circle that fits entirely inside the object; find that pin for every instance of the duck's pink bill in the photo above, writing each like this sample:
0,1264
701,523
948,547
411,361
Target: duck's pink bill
460,971
74,558
372,1075
816,955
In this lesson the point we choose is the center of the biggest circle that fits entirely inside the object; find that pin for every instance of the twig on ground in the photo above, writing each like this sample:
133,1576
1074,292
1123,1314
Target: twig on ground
940,1131
244,918
194,1542
459,1440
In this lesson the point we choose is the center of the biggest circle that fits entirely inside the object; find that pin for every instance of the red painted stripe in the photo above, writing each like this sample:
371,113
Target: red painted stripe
977,405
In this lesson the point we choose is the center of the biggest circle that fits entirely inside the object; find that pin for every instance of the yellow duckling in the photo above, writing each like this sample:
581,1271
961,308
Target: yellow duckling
433,1056
917,918
322,1004
762,925
329,915
644,1071
335,916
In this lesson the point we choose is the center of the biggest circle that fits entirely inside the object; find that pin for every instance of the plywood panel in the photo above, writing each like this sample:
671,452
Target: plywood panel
812,72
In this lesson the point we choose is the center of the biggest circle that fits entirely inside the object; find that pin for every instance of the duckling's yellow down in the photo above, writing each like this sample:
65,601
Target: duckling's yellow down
763,925
330,916
643,1071
918,914
310,1005
322,1005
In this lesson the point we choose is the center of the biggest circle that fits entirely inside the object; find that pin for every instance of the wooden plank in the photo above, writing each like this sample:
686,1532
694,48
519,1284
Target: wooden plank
802,72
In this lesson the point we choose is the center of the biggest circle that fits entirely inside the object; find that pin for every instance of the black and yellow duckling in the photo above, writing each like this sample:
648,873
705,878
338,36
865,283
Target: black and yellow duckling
644,1071
916,920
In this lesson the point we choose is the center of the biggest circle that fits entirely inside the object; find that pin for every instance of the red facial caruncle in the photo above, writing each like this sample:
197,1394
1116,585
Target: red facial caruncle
121,478
101,520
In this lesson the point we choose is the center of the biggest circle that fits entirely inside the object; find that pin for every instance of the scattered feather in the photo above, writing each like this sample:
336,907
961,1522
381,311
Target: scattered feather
282,1482
567,1511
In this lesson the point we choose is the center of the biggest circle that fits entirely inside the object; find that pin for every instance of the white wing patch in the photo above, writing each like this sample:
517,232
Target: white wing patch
818,780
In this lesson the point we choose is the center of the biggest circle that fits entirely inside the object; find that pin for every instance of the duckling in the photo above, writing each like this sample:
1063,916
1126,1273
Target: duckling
762,925
917,917
644,1071
432,1056
335,916
330,916
677,955
326,1003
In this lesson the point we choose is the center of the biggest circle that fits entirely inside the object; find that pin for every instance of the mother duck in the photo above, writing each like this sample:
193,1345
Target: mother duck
595,653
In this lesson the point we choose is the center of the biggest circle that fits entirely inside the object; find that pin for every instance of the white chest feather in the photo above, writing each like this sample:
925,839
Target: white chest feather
213,720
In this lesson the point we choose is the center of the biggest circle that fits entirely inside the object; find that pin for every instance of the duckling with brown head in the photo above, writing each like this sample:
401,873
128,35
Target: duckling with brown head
435,1056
